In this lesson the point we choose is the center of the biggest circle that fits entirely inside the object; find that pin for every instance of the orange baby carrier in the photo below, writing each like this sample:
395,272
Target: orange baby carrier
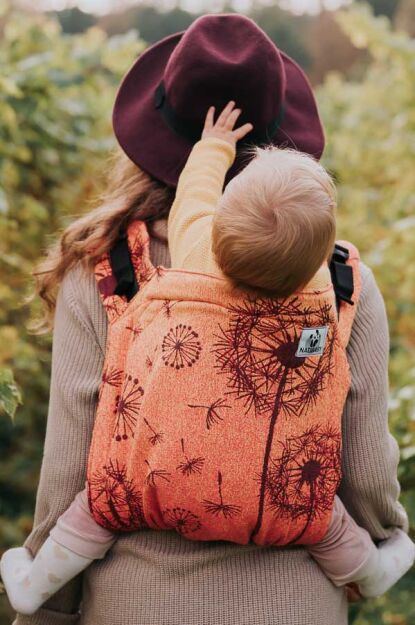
219,413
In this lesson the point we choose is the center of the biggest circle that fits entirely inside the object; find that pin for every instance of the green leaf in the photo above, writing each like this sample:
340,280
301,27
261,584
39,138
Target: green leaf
10,396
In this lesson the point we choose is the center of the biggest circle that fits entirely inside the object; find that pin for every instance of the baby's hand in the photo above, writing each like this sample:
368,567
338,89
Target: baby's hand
223,127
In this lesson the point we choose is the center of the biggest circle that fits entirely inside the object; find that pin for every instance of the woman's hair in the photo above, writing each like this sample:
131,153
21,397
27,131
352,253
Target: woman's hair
130,194
275,224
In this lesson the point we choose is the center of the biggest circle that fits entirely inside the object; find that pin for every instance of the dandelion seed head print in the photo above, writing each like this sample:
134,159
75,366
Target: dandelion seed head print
256,351
182,520
181,347
303,480
114,499
219,413
127,406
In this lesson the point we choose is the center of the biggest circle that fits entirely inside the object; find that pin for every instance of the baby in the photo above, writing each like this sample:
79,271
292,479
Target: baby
273,231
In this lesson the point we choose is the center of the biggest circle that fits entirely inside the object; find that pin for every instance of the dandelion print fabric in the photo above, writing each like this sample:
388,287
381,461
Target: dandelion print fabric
207,421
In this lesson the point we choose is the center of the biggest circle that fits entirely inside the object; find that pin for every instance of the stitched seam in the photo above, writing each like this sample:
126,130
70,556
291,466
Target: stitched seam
73,305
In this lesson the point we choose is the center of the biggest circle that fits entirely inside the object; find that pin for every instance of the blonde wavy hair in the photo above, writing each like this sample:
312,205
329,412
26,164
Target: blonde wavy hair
275,224
130,194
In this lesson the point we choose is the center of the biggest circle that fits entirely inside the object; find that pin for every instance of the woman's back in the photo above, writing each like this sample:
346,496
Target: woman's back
155,577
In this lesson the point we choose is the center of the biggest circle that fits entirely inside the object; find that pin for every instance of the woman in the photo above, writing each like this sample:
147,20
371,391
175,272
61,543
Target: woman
153,577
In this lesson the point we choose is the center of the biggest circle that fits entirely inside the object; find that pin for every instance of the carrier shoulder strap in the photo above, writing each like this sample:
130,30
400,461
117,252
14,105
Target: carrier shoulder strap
123,268
345,275
121,271
341,276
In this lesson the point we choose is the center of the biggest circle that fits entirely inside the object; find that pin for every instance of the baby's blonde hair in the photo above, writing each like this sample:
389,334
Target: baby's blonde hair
276,225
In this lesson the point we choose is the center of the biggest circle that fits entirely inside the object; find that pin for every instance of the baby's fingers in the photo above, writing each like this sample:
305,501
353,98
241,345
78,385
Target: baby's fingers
231,121
239,133
221,121
209,121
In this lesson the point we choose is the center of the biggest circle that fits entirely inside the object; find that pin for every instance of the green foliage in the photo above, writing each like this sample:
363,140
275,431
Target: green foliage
371,152
56,94
10,396
154,25
287,31
384,7
75,21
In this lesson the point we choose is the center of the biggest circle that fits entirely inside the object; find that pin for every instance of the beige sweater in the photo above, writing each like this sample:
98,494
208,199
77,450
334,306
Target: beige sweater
158,577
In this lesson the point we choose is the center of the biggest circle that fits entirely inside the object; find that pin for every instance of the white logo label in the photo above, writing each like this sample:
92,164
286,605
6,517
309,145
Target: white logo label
312,342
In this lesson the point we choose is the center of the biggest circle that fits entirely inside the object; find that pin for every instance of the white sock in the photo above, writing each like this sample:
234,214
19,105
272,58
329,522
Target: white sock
29,582
395,557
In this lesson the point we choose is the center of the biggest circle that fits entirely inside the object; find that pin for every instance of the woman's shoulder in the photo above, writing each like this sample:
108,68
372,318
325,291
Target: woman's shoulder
370,295
79,298
79,290
368,278
370,331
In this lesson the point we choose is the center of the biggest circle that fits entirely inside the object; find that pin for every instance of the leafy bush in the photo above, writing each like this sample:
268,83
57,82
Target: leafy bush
371,151
56,94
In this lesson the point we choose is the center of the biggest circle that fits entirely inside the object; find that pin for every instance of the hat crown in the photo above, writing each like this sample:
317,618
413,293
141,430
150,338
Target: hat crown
163,99
221,58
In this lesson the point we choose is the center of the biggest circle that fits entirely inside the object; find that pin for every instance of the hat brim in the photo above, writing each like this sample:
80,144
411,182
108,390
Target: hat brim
157,149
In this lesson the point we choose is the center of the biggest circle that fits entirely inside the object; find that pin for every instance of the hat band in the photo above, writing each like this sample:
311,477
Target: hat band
193,131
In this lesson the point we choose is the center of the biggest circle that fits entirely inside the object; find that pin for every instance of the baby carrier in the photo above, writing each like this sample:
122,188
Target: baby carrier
219,413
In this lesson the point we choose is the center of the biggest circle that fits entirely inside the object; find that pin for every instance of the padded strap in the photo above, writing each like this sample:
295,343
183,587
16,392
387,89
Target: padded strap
347,284
121,271
341,276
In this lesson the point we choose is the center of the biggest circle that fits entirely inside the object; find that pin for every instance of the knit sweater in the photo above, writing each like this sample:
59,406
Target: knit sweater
158,577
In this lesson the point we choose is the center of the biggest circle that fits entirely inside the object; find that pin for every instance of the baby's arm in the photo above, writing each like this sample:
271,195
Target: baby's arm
201,183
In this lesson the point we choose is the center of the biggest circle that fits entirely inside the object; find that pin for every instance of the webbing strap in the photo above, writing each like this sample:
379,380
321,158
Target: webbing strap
341,276
123,269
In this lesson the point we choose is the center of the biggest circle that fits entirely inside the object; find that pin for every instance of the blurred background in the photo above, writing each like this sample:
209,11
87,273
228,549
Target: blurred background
60,65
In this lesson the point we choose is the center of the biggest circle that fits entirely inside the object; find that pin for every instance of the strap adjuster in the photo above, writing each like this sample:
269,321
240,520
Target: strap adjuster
341,276
123,269
340,253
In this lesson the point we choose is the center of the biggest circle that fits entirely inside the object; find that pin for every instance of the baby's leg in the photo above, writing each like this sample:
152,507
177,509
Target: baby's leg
347,554
74,542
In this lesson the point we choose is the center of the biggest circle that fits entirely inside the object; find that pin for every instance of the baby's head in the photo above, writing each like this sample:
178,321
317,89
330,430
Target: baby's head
275,225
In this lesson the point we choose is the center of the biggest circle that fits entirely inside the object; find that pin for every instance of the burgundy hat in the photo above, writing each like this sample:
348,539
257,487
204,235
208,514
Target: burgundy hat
162,102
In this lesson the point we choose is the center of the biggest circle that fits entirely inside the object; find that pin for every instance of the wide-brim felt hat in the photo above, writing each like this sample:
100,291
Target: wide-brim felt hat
162,101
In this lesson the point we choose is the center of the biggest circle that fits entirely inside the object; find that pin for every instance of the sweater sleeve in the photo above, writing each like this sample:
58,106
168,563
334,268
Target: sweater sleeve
370,488
77,359
198,192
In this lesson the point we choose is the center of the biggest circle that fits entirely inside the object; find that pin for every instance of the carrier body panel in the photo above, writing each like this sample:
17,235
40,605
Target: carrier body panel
219,413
